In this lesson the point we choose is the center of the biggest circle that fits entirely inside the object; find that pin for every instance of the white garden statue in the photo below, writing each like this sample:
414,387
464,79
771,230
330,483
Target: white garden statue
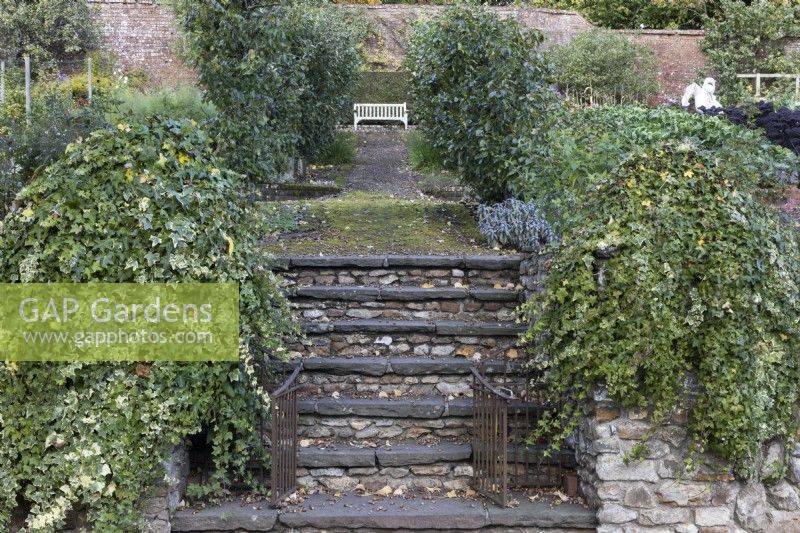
703,96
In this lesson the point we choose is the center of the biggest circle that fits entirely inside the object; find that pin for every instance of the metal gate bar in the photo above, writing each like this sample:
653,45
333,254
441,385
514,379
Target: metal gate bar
283,474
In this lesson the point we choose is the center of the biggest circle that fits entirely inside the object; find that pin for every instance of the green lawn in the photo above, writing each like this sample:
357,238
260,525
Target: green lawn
366,223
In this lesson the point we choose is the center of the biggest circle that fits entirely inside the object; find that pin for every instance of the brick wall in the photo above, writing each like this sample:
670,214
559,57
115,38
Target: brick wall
142,35
678,55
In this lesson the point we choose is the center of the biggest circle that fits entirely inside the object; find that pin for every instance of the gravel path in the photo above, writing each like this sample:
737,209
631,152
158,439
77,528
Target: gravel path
381,165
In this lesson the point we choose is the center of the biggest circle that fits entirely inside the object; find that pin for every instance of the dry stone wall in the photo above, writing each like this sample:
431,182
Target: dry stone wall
656,493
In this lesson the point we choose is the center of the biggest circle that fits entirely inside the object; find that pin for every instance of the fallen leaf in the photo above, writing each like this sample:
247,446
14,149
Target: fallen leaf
426,286
398,491
433,490
398,393
452,494
385,491
382,394
305,443
335,394
470,493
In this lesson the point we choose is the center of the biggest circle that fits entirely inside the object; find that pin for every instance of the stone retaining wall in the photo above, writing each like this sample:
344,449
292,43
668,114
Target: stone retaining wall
423,431
395,277
465,309
436,476
417,344
656,493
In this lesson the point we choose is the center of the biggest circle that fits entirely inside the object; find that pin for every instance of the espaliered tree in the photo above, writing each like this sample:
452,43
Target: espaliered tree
670,273
279,73
480,90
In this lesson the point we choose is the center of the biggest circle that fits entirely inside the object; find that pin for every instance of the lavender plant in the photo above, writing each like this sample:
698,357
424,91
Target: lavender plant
515,223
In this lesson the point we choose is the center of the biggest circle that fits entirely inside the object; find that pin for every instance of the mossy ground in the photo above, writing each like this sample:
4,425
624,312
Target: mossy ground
369,223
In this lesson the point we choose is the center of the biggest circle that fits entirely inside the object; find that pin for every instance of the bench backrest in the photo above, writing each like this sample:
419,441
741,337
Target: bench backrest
380,111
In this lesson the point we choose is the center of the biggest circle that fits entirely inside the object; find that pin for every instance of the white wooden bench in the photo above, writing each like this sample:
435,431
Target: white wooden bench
396,112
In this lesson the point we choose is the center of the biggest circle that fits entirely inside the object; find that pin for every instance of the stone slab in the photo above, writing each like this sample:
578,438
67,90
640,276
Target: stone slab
421,366
346,456
324,292
382,326
433,261
496,295
331,261
542,515
377,407
455,327
414,294
340,366
460,407
359,512
232,516
413,454
492,262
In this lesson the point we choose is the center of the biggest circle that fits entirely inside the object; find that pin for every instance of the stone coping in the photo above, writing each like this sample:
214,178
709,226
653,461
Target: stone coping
424,408
477,262
405,366
321,512
440,327
405,454
412,294
399,455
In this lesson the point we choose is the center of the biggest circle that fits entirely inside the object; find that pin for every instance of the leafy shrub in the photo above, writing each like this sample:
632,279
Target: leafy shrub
328,48
670,266
278,74
635,14
605,66
136,203
588,145
175,103
748,37
479,89
25,150
46,30
515,223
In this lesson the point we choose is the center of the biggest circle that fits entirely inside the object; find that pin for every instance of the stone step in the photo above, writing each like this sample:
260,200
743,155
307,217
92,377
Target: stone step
361,420
403,294
395,271
410,466
404,303
352,512
440,327
405,366
415,376
428,338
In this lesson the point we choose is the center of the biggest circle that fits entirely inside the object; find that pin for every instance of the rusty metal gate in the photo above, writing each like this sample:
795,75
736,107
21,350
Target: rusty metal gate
283,436
504,415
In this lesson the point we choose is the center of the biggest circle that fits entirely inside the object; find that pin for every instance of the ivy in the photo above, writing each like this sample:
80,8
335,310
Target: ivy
670,270
558,170
135,203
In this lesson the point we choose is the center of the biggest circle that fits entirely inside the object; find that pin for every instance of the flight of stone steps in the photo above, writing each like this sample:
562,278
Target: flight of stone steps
386,401
387,383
